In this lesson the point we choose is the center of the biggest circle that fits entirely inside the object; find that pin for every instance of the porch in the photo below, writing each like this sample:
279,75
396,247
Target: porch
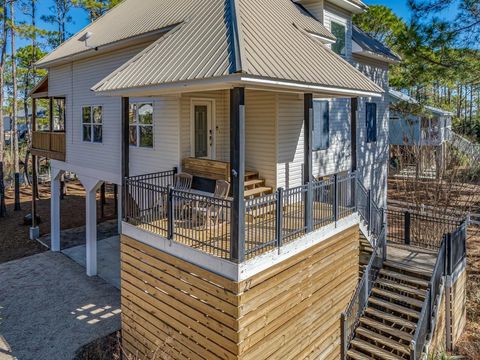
202,221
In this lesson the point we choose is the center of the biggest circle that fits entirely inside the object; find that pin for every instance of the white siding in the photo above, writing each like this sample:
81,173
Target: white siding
372,158
315,7
74,82
165,153
222,123
260,134
290,141
338,15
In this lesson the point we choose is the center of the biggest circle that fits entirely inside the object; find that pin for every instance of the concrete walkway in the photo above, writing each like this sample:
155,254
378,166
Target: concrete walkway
108,259
49,308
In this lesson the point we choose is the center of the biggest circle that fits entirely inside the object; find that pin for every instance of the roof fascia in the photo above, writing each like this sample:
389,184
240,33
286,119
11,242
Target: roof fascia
103,49
350,6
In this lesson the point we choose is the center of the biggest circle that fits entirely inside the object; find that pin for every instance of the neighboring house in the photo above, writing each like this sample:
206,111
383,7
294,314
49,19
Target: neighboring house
270,97
411,132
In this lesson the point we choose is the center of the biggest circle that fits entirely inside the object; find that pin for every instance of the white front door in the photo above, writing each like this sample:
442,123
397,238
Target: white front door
203,132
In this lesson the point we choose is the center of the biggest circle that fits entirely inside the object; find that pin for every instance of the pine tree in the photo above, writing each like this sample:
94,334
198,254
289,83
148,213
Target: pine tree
59,16
3,50
96,8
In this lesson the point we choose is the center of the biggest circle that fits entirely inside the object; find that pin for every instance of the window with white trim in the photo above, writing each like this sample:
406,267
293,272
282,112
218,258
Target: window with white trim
340,32
92,124
141,125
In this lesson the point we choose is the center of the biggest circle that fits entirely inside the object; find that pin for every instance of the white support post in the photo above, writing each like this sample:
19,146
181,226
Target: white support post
91,186
55,210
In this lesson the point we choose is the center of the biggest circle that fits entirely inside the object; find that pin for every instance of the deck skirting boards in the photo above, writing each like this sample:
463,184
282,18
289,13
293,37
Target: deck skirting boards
290,310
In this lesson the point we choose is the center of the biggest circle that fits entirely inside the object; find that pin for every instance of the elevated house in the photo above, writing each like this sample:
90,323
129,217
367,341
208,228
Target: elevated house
411,132
250,140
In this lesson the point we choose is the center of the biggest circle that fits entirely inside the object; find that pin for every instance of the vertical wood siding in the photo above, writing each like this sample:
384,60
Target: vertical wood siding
289,311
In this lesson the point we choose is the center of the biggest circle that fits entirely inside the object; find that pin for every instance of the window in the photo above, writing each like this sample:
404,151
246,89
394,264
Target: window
141,125
92,123
371,122
321,125
340,32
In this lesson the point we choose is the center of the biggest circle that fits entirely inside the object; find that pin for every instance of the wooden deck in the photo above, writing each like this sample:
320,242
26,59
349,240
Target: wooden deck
412,257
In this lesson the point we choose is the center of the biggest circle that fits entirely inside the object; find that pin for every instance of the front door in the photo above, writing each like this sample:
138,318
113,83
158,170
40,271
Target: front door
203,135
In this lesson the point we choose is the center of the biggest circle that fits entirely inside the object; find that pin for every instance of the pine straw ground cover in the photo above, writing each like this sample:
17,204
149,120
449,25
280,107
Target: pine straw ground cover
469,344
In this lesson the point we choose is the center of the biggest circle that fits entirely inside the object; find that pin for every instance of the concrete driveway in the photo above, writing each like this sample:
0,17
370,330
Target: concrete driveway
49,308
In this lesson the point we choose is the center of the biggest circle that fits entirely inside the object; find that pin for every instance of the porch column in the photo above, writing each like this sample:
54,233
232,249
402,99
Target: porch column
56,174
34,229
353,130
91,187
237,160
119,201
51,113
125,151
307,163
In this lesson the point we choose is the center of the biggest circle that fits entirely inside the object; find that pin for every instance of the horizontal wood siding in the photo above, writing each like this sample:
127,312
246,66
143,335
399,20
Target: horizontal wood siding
289,311
458,307
340,16
74,82
315,7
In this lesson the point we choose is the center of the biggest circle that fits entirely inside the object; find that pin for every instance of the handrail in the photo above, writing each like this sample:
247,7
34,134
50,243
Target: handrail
421,332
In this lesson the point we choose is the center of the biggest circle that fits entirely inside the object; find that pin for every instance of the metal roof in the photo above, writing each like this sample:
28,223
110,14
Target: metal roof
369,44
268,39
397,95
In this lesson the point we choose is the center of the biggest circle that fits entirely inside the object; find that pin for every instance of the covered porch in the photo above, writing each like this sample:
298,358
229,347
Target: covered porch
253,139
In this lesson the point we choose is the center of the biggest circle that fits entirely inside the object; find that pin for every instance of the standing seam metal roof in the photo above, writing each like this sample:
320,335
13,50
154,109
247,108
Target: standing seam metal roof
273,42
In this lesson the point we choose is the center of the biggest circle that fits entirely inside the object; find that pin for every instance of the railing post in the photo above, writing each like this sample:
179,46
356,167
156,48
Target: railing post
407,227
369,211
335,198
170,212
448,255
279,223
344,336
309,208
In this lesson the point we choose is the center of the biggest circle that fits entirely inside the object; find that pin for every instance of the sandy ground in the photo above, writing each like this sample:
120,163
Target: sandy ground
14,235
49,308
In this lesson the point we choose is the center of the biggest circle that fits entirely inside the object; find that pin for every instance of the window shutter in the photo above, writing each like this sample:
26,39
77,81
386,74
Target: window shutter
371,117
321,125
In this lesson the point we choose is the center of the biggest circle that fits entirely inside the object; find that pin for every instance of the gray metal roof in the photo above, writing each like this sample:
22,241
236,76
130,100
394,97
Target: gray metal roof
399,96
369,44
265,39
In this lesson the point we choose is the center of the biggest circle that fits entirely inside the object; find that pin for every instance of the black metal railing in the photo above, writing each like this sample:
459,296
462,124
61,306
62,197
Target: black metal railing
421,230
203,222
351,316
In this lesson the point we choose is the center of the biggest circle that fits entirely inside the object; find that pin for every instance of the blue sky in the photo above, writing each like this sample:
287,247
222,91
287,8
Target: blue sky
80,18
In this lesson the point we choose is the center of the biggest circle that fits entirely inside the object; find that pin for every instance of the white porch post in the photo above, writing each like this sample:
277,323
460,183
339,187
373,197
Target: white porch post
55,209
91,186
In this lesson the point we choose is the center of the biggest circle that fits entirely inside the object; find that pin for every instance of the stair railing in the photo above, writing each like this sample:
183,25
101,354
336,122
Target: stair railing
431,304
351,316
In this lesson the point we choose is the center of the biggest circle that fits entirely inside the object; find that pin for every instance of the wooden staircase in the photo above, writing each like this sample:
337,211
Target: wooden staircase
388,324
254,186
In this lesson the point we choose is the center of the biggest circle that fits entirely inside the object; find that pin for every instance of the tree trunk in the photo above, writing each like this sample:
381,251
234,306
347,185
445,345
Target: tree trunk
3,209
16,155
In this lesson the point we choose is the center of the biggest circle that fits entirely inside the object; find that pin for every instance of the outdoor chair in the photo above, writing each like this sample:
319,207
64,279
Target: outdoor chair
212,213
182,181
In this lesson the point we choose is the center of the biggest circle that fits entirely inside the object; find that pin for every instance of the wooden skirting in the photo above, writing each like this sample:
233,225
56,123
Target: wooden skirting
438,344
289,311
458,306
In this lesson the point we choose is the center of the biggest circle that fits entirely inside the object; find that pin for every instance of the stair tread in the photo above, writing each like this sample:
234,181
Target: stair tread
254,182
356,355
393,344
394,307
391,318
405,278
249,173
386,329
257,191
410,268
398,297
402,287
365,346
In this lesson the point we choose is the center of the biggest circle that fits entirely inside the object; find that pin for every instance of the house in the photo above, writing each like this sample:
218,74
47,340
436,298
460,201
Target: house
414,128
266,104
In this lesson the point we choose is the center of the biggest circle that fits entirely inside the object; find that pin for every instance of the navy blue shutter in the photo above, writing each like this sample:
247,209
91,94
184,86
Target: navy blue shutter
321,125
371,122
